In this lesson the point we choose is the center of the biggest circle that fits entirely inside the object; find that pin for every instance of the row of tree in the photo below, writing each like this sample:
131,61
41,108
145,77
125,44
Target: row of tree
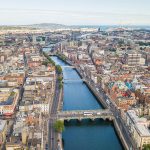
146,147
58,125
49,60
144,43
63,57
58,68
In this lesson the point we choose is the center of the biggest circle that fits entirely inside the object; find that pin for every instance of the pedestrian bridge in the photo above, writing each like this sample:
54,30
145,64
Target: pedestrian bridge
73,80
85,114
68,67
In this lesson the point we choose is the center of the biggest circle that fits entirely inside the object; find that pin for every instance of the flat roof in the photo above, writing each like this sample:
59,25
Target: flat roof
140,123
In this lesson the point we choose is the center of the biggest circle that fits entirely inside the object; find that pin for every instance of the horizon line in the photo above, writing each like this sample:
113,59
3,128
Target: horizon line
28,24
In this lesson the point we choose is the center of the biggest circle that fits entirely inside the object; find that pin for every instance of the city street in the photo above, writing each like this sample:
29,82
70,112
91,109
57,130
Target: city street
53,144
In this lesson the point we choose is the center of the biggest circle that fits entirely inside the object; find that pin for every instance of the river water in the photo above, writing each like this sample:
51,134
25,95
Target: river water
87,134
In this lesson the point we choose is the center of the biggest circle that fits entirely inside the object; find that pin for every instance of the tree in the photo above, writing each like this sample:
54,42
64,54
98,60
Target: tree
12,93
60,85
59,126
63,57
49,59
58,69
60,78
112,49
120,42
45,63
146,147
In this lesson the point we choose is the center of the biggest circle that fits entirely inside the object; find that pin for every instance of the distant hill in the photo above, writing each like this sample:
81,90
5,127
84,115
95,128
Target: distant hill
62,26
3,27
47,26
34,26
58,26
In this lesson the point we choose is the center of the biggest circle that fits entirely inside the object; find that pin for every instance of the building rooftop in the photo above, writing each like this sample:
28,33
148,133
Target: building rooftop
9,101
140,123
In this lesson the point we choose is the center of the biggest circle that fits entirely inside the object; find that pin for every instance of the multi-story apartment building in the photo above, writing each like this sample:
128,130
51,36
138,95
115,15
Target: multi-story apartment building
132,58
139,128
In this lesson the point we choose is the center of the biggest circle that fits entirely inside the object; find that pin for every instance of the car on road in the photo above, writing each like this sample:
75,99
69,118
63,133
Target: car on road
107,101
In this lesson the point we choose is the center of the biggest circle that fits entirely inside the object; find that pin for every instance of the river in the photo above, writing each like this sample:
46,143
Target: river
87,134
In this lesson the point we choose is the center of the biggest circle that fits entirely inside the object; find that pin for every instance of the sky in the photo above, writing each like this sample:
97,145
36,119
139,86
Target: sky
75,12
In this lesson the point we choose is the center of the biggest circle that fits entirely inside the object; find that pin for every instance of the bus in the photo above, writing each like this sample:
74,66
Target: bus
88,113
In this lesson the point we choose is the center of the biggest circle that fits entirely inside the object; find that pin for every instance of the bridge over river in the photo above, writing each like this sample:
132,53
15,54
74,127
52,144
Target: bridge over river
73,80
85,114
68,67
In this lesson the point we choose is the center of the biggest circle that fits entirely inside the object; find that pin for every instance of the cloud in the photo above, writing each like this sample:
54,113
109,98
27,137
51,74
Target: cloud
74,17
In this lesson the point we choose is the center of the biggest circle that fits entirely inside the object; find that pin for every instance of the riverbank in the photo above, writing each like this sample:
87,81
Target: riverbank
70,103
94,92
99,99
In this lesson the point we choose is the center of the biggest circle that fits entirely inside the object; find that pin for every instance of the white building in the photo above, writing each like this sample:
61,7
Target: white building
139,128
